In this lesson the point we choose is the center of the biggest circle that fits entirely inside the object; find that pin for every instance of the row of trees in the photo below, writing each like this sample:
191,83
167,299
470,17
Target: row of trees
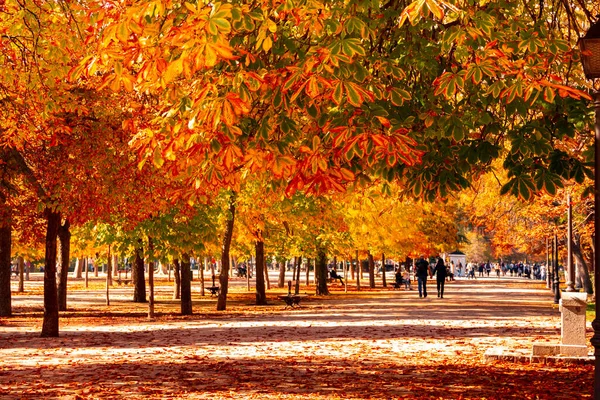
167,121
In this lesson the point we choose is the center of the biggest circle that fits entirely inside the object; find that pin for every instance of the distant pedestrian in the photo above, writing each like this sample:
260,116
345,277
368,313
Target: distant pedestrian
440,273
422,271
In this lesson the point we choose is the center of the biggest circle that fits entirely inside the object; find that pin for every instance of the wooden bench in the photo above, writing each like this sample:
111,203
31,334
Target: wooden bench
123,281
214,290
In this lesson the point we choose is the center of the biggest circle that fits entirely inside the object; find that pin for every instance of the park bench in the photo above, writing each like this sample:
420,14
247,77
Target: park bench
123,281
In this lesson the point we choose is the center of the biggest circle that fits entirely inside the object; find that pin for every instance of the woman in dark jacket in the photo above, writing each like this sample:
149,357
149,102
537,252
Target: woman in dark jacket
440,273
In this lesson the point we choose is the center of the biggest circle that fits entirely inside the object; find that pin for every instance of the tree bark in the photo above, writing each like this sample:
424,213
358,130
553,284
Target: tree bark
177,275
138,276
281,280
261,296
21,266
151,278
297,285
223,277
582,268
108,276
115,270
78,268
201,269
186,285
383,270
308,271
321,272
87,271
109,267
371,270
5,249
50,323
64,244
266,271
358,272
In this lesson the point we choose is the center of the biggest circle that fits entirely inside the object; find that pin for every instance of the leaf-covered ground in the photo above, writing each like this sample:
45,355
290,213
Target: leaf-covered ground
379,344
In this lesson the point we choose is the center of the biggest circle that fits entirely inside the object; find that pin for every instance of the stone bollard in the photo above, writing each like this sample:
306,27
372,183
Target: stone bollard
573,343
572,308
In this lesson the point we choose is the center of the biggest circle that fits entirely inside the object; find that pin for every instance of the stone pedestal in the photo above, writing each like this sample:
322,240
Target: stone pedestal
573,343
572,308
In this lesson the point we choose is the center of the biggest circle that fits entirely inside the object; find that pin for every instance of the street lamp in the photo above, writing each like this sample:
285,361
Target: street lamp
571,270
556,275
590,58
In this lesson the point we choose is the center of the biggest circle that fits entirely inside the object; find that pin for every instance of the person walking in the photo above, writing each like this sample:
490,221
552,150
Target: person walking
422,271
440,273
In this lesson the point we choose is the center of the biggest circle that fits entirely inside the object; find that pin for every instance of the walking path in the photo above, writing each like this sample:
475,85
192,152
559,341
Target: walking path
381,344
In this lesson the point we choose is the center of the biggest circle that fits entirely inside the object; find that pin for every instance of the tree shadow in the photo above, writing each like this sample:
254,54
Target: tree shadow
195,375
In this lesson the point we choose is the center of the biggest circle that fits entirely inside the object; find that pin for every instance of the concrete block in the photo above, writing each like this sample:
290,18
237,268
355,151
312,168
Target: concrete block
573,350
545,349
573,299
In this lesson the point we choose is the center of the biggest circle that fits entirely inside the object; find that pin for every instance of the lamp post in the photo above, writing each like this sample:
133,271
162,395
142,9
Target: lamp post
556,275
571,268
590,58
547,263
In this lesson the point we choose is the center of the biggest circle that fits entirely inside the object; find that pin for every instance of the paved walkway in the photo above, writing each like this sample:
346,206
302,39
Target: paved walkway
380,344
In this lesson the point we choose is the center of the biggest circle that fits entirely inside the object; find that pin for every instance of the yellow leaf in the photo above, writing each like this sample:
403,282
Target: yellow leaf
267,44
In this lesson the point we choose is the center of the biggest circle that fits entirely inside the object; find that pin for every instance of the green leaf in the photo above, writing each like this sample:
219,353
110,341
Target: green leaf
338,93
353,96
398,96
352,46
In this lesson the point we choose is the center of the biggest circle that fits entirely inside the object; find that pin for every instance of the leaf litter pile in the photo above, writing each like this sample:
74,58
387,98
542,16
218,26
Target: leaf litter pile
373,344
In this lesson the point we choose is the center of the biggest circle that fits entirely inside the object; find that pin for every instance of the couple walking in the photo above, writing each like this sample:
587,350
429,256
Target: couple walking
423,271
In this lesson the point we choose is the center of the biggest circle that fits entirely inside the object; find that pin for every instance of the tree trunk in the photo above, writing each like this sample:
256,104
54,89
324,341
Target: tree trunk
151,278
371,270
138,276
87,271
345,272
50,324
321,272
582,268
297,278
21,264
261,296
223,277
248,274
352,268
201,271
281,280
115,270
109,267
5,249
177,275
96,269
108,276
383,270
358,272
308,271
267,279
294,266
78,268
64,244
186,285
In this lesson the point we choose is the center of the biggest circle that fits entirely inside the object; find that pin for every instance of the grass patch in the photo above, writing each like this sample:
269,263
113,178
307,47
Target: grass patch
590,311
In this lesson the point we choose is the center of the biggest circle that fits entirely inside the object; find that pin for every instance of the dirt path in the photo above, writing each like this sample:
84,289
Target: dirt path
379,344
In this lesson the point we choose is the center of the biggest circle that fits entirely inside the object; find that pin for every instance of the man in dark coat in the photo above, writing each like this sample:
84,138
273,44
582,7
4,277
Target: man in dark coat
440,272
422,271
